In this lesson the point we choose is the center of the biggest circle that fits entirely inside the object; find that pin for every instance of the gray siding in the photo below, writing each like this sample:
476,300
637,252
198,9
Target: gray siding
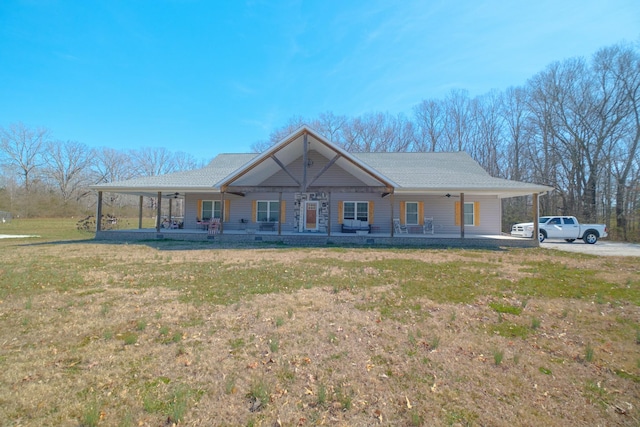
440,208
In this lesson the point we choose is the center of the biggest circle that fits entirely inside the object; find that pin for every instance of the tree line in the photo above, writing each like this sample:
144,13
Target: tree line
574,126
46,177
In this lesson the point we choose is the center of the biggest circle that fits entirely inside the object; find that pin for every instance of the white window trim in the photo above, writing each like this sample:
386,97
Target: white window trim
473,214
355,209
406,213
213,208
269,210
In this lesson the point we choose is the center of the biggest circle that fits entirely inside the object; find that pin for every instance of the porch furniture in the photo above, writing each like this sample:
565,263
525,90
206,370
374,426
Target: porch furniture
399,228
267,226
355,225
427,227
214,226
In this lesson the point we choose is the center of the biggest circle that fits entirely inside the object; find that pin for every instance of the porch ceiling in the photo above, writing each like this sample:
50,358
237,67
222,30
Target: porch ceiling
291,149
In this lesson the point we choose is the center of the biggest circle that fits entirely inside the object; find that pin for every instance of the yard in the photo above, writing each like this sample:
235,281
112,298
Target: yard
160,333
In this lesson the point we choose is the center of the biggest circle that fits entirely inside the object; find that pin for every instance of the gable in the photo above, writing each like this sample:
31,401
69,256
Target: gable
295,157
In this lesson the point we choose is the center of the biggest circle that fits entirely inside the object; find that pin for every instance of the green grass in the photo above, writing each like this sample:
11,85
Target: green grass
507,309
48,279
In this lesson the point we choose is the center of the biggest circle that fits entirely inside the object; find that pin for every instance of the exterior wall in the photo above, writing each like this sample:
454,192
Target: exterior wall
440,208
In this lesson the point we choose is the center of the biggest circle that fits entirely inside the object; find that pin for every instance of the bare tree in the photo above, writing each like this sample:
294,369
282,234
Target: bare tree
21,150
623,62
149,161
458,123
111,165
430,122
67,166
330,126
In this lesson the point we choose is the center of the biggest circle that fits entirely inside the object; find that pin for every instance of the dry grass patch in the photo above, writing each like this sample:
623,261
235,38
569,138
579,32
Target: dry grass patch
159,335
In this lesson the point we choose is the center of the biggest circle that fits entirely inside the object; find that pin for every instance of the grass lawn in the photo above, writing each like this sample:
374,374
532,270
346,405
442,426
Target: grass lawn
160,333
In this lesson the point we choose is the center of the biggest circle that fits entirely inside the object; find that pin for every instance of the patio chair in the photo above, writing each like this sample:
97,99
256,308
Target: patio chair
427,227
214,225
399,228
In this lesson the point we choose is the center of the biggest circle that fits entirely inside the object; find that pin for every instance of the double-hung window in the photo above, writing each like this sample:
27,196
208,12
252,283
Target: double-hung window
267,211
411,213
469,214
356,210
211,209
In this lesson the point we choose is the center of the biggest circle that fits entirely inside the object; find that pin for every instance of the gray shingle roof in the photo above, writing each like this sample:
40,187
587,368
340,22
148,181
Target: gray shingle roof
409,171
438,171
198,179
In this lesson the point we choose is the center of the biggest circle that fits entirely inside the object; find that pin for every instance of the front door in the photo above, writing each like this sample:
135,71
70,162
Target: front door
311,216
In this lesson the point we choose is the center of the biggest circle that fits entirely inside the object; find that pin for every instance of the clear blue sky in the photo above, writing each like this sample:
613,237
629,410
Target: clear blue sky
215,76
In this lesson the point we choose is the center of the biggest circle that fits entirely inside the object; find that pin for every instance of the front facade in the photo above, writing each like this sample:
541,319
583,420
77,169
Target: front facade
305,185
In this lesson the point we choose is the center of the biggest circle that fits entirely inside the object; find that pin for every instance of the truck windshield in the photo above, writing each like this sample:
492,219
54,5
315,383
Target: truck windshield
543,219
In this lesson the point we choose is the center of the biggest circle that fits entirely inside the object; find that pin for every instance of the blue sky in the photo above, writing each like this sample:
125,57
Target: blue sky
206,77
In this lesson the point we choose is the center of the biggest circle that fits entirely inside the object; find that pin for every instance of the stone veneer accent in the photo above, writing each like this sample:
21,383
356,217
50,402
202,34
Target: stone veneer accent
323,209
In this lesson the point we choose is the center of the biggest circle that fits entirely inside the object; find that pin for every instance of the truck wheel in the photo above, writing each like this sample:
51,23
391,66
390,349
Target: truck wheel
570,240
542,235
590,237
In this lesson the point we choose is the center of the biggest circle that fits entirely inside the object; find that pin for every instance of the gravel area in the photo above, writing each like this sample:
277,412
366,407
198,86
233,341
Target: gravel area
601,248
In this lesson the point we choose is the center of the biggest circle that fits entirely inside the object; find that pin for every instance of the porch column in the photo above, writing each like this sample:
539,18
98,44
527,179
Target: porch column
99,212
222,215
329,215
280,214
159,212
170,213
305,159
140,212
536,216
462,215
391,200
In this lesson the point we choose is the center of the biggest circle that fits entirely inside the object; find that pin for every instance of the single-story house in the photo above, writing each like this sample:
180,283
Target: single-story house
307,186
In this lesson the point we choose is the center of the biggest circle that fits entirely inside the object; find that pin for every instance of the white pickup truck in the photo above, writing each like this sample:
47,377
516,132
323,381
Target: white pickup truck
561,227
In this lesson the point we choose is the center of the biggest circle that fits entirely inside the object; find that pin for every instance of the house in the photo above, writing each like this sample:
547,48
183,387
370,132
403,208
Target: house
307,186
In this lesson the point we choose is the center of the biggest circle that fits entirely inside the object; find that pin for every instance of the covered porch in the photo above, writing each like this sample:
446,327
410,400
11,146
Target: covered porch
257,237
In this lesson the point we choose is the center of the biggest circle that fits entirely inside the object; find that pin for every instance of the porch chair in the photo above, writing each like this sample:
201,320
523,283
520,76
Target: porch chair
427,227
399,228
214,225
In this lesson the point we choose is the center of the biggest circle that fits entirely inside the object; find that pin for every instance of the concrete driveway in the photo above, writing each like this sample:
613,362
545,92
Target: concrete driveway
602,248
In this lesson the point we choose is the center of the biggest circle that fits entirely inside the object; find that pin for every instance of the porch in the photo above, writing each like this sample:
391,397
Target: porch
258,237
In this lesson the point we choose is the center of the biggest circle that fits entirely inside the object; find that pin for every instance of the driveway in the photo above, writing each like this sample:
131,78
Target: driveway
602,248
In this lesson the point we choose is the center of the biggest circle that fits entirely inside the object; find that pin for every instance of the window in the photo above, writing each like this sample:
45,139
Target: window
267,211
356,210
569,221
469,214
211,209
411,213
